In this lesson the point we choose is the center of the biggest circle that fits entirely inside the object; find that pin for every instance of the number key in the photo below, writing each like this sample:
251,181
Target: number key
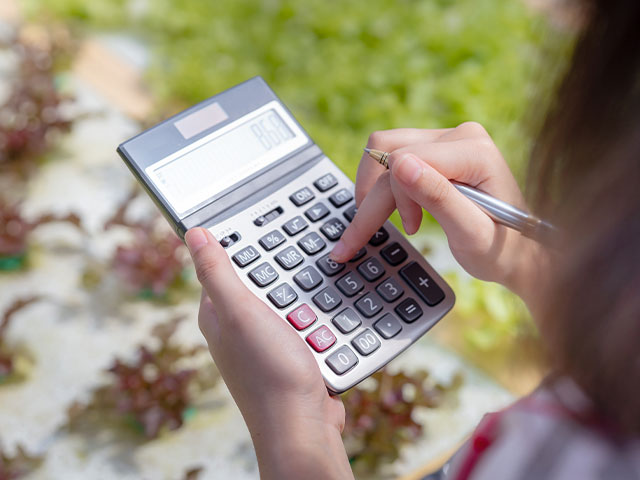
389,290
347,320
329,267
308,278
369,305
371,269
342,360
327,299
366,343
350,284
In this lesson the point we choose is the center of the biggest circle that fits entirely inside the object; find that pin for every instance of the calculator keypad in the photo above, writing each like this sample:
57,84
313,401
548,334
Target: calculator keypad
345,312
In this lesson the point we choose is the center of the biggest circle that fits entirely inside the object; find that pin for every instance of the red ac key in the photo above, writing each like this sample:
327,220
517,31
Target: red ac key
302,317
321,339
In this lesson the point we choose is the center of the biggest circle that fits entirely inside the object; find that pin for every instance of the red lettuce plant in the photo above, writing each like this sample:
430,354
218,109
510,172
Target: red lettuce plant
32,116
18,465
7,353
379,421
15,230
153,392
154,261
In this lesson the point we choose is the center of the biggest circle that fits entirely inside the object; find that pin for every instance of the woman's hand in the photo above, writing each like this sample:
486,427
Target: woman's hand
421,164
273,377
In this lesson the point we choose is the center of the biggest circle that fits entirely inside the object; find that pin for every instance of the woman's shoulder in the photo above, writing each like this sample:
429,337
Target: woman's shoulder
551,434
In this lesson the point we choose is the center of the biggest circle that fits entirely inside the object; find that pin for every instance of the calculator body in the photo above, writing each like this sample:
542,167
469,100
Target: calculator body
240,165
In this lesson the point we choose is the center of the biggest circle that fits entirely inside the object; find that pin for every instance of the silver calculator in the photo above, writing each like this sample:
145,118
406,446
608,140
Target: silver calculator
241,166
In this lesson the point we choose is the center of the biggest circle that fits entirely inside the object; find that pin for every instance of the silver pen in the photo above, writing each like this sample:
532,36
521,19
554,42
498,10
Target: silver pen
501,212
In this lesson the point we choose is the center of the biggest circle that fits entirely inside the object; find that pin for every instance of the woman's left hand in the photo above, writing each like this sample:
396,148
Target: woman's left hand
271,374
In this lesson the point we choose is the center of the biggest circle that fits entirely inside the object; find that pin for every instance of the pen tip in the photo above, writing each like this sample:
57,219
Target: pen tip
367,150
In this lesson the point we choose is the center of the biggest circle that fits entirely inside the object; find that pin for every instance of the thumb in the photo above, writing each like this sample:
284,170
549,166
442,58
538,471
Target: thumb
213,268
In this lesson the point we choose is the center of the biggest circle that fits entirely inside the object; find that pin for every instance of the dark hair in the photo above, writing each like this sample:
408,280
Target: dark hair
585,176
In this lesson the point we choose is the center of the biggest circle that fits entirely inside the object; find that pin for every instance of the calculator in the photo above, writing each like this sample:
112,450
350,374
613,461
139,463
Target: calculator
240,165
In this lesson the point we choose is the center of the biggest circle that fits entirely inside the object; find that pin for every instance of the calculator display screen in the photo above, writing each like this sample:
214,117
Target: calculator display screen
226,157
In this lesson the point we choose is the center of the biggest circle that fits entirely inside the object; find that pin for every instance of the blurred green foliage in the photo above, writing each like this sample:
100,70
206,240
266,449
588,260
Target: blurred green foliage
344,68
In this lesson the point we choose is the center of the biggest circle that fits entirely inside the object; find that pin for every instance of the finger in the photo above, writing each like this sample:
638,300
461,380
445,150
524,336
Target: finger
460,218
388,140
372,213
410,212
214,270
476,162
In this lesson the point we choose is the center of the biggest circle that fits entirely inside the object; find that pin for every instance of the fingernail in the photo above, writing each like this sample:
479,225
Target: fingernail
408,169
196,238
339,250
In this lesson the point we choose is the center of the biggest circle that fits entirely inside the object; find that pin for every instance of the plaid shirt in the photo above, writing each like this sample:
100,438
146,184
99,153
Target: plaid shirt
551,434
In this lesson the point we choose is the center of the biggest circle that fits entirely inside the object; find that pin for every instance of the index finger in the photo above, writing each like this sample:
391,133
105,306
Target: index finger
388,140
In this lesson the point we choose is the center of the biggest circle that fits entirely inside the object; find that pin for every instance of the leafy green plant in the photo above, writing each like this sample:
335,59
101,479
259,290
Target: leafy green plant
380,420
15,230
33,114
18,465
378,64
153,392
9,353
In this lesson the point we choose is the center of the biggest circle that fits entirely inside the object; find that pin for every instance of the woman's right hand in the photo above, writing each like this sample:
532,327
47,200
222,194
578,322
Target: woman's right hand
422,163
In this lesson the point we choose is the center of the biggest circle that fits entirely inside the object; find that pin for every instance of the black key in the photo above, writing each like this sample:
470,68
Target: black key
311,243
409,310
329,267
350,284
245,256
327,299
289,258
271,240
379,237
302,196
359,254
389,290
347,320
332,229
308,278
350,212
295,225
283,295
366,343
325,182
422,283
388,326
371,269
341,197
317,212
394,254
369,304
263,275
342,360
